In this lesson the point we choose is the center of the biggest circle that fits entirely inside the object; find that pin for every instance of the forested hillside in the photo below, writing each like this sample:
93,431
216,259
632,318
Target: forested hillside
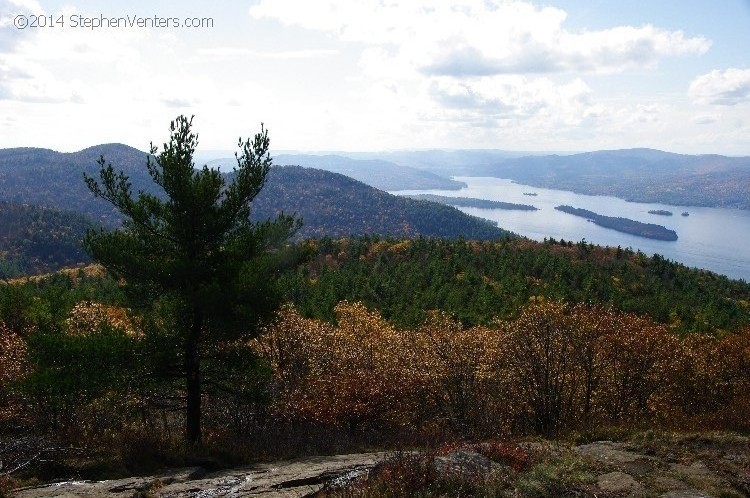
477,281
329,203
54,179
334,205
34,239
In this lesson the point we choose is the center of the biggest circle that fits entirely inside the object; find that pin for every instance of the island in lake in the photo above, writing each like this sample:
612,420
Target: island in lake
685,213
660,212
625,225
471,202
533,194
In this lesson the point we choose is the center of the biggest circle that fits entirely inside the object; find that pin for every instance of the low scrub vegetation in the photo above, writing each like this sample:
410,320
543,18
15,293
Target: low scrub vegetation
359,382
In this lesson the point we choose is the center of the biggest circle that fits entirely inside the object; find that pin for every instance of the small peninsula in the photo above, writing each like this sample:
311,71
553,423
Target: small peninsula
472,202
660,212
624,225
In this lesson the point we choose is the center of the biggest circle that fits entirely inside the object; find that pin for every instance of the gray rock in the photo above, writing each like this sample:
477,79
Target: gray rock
294,478
617,455
619,483
686,493
696,469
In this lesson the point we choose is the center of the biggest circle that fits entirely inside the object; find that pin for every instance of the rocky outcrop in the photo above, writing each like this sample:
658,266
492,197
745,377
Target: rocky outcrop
294,478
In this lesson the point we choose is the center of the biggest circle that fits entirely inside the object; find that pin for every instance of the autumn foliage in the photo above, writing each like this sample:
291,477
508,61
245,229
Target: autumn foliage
13,366
555,367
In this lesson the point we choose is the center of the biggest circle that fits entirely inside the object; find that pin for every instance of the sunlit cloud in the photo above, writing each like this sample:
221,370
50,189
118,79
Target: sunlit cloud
473,38
729,87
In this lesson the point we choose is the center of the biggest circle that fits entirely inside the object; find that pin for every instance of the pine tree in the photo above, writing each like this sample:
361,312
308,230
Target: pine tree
196,246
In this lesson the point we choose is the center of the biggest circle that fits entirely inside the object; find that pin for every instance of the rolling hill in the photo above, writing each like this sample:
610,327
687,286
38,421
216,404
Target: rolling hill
53,179
46,206
335,205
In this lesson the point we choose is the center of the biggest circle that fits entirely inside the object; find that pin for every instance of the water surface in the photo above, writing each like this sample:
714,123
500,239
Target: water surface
716,239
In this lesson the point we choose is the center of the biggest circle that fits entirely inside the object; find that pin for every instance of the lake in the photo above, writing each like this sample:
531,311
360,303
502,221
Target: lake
716,239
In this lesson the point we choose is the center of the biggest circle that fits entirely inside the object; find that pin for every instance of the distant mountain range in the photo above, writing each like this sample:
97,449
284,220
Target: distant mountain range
383,175
640,175
332,204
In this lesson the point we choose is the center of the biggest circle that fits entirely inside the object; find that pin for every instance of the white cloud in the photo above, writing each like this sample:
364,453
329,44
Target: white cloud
704,119
480,38
729,87
10,36
31,6
514,97
365,74
215,53
499,72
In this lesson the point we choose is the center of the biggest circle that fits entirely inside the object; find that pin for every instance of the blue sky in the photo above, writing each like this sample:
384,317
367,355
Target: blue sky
380,74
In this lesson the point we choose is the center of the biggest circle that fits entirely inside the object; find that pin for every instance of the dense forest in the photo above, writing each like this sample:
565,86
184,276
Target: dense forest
477,281
383,343
35,240
451,307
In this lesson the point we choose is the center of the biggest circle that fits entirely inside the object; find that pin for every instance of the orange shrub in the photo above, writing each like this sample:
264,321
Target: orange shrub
12,357
712,381
87,317
641,356
13,366
360,372
554,368
464,379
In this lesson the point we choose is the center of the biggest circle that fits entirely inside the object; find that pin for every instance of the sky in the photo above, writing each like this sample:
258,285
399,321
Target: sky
370,75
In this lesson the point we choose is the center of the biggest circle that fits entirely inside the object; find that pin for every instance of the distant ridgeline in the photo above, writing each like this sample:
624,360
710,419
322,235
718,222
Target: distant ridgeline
383,175
638,175
625,225
472,202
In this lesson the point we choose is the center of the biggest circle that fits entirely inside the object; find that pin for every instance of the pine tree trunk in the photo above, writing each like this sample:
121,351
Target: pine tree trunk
192,371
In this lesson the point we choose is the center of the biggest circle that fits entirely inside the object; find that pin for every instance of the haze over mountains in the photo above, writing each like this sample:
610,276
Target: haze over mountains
639,175
383,175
